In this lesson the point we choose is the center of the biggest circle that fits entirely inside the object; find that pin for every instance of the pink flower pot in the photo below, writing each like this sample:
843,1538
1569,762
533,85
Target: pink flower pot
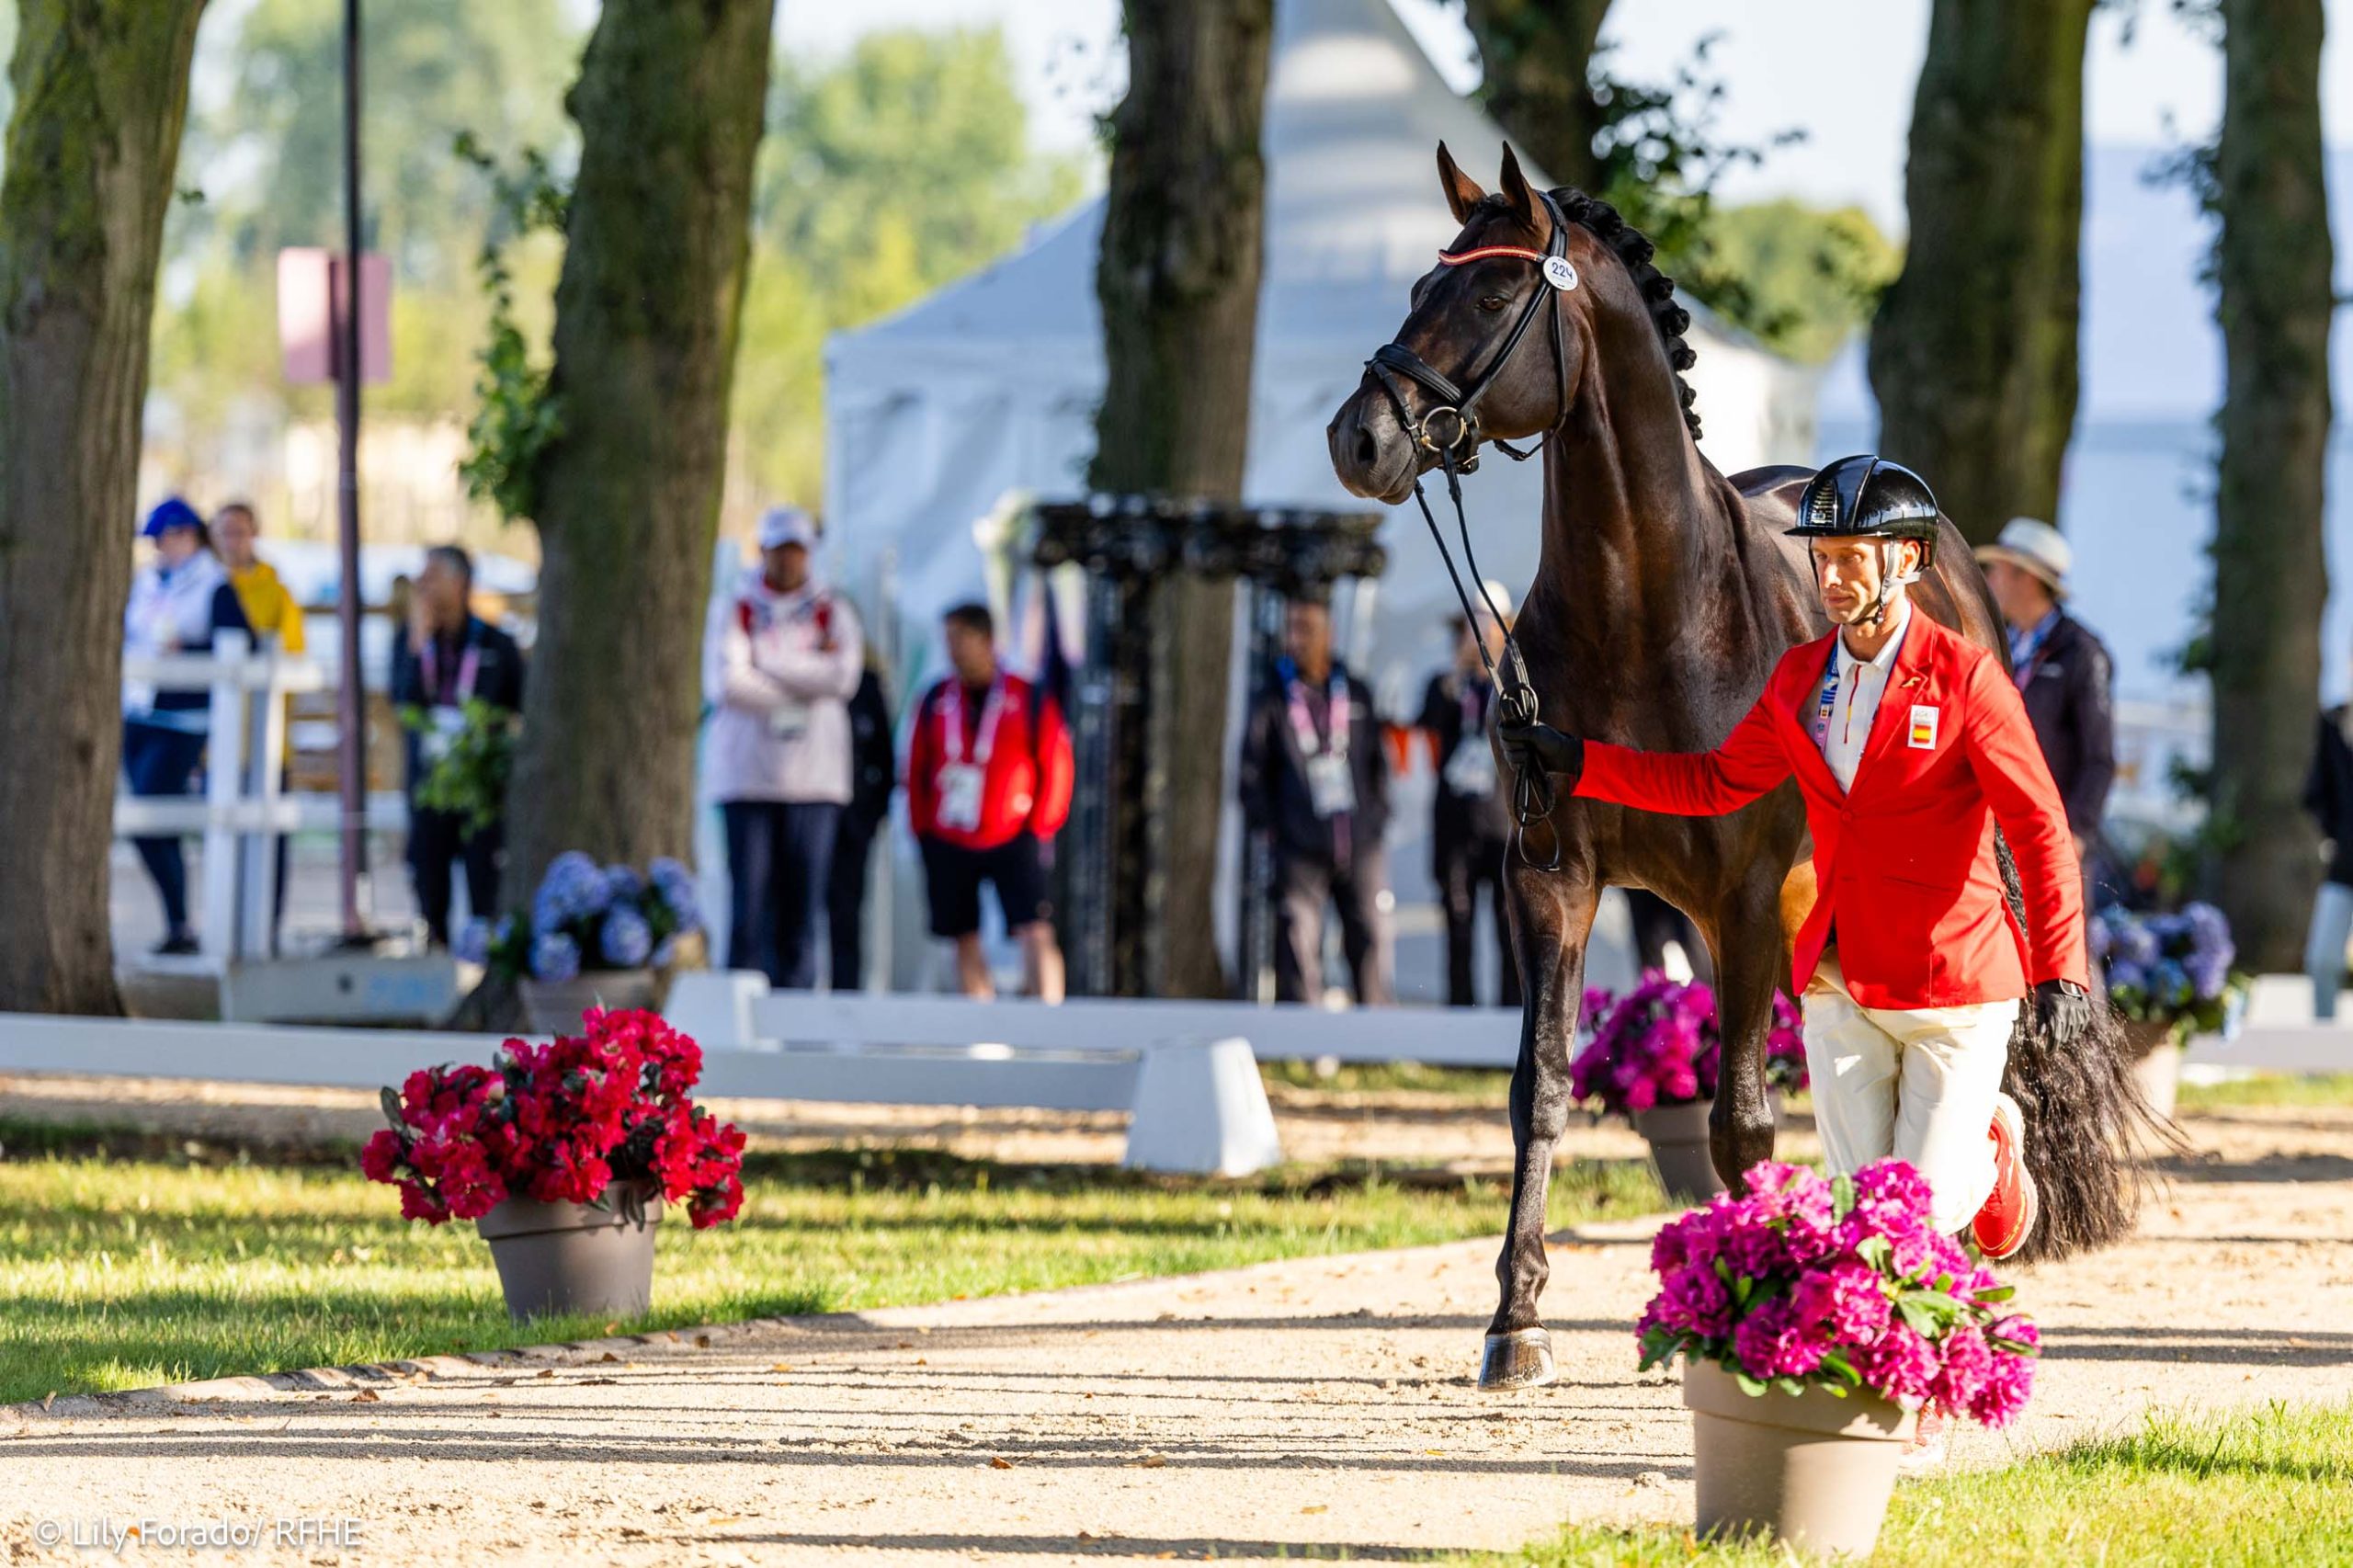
1678,1139
573,1257
1809,1468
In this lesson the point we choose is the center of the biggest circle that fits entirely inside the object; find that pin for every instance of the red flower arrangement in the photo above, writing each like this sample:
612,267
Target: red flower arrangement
561,1123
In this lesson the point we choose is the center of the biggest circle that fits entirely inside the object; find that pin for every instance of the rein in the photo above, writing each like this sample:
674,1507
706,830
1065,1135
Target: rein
1458,454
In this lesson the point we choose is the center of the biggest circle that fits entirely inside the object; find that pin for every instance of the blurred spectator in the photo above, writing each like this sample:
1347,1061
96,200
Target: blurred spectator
277,621
2064,671
1471,818
449,658
989,776
782,663
874,773
177,605
1314,777
2328,795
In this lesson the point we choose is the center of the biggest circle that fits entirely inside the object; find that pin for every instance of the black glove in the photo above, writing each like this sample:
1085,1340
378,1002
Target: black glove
2062,1011
1539,748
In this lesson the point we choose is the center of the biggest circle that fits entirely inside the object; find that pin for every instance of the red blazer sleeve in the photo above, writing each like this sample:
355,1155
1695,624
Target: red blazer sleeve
923,768
1057,771
1998,740
1692,784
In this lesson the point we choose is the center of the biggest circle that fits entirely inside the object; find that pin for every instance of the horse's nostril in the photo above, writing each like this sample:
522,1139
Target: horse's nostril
1367,449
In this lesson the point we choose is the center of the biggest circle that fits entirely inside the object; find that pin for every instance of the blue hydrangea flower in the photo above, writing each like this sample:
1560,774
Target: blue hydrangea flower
472,945
2102,937
2170,982
622,884
2126,975
2208,972
626,939
554,957
573,890
677,886
2136,944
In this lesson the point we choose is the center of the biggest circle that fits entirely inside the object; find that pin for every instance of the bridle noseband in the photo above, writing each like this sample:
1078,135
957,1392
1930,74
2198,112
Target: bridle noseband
1449,432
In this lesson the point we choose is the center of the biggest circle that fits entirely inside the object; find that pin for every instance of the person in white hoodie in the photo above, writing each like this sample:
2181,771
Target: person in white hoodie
782,659
177,605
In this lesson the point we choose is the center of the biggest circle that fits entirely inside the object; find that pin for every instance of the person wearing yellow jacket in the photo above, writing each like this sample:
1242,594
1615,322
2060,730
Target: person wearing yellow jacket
276,619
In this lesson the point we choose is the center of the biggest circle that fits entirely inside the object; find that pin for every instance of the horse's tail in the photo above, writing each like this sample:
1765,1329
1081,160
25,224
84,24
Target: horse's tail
2087,1125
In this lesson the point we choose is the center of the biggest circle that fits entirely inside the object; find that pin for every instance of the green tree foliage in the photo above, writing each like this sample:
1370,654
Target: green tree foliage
1812,276
900,169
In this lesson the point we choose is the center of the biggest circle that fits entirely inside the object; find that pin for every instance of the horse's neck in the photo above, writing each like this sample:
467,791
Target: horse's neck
1637,535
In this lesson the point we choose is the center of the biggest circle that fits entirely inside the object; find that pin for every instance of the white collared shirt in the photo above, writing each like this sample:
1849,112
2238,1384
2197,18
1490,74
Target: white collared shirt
1859,684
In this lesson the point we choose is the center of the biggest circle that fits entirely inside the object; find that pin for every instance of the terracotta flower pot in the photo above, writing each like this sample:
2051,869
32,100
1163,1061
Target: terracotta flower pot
554,1006
2155,1050
1678,1136
573,1257
1809,1468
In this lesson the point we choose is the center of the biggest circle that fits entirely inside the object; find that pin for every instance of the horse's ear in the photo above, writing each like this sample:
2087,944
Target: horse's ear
1463,192
1516,190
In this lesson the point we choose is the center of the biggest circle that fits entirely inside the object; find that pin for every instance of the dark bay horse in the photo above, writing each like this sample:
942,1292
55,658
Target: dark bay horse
1664,595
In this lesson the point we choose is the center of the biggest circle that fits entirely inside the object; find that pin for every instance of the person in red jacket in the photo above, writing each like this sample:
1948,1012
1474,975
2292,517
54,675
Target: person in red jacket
1910,745
989,776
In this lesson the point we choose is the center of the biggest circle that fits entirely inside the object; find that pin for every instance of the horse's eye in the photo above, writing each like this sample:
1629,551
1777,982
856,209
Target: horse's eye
1491,301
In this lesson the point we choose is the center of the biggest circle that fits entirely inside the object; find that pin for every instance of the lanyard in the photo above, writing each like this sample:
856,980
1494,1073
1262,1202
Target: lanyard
1475,707
2027,651
951,720
469,670
1304,726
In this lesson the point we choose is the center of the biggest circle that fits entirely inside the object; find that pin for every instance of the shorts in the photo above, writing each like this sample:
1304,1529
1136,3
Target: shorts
953,875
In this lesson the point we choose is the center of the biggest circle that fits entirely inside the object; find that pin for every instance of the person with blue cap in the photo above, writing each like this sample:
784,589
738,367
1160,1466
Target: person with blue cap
177,605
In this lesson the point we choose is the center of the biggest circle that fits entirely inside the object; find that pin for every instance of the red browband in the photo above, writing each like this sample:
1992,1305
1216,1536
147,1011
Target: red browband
1456,259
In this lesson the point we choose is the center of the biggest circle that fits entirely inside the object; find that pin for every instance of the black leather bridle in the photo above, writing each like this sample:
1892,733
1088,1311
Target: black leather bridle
1449,431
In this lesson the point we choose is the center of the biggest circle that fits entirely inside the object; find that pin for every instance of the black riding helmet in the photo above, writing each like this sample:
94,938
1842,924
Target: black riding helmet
1868,496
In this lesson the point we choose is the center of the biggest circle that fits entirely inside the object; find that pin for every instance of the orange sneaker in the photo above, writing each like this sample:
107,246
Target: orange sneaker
2003,1225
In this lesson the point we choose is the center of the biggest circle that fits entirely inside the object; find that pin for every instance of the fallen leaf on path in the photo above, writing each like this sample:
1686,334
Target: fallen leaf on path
718,1520
1317,1508
1153,1461
906,1345
367,1396
546,1371
780,1366
703,1342
609,1355
1000,1462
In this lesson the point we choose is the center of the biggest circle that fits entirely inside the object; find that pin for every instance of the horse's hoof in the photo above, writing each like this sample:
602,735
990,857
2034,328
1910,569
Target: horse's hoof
1521,1359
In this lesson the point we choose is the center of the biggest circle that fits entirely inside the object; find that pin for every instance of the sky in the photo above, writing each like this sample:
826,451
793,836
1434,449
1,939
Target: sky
1843,71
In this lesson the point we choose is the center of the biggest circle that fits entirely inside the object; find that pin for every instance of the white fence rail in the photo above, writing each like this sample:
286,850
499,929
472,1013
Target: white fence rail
242,809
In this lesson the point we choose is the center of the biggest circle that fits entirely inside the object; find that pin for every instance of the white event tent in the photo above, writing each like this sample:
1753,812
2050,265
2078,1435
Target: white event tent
990,385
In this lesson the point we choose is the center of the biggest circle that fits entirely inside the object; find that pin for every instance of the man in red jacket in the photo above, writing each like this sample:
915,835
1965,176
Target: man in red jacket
989,775
1910,745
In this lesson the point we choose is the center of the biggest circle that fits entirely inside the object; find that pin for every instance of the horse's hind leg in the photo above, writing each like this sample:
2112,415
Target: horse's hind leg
1551,916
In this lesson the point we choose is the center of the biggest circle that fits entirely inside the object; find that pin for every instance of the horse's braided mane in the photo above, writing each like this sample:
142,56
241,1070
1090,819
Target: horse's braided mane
1632,248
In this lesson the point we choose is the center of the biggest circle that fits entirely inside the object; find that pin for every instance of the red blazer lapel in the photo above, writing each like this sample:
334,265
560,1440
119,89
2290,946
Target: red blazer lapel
1906,683
1797,706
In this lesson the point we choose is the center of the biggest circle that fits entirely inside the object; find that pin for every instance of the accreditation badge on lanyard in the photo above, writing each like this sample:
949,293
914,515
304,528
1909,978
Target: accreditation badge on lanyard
446,719
1471,771
1331,784
1827,704
961,777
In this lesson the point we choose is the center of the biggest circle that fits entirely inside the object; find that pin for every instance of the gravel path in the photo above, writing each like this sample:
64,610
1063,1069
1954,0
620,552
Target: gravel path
1279,1410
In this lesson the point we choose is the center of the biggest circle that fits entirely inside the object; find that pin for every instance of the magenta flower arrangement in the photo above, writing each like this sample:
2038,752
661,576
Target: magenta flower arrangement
1658,1045
1838,1284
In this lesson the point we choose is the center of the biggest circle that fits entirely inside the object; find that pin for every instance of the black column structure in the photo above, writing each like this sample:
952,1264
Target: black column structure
1112,855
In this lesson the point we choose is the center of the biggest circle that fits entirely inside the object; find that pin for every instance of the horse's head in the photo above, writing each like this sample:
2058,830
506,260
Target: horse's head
1499,325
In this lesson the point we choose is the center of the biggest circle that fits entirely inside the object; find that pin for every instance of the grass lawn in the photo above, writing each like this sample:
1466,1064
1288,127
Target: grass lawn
2271,1090
2270,1487
129,1259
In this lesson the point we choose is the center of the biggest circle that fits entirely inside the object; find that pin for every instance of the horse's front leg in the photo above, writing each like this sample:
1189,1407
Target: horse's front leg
1751,959
1551,915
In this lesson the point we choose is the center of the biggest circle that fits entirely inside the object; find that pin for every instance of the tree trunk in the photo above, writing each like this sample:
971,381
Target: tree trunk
1972,356
1536,57
1178,282
92,144
670,104
2270,576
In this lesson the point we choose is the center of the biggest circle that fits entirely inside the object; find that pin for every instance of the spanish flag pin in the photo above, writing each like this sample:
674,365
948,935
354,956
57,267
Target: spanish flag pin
1923,727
